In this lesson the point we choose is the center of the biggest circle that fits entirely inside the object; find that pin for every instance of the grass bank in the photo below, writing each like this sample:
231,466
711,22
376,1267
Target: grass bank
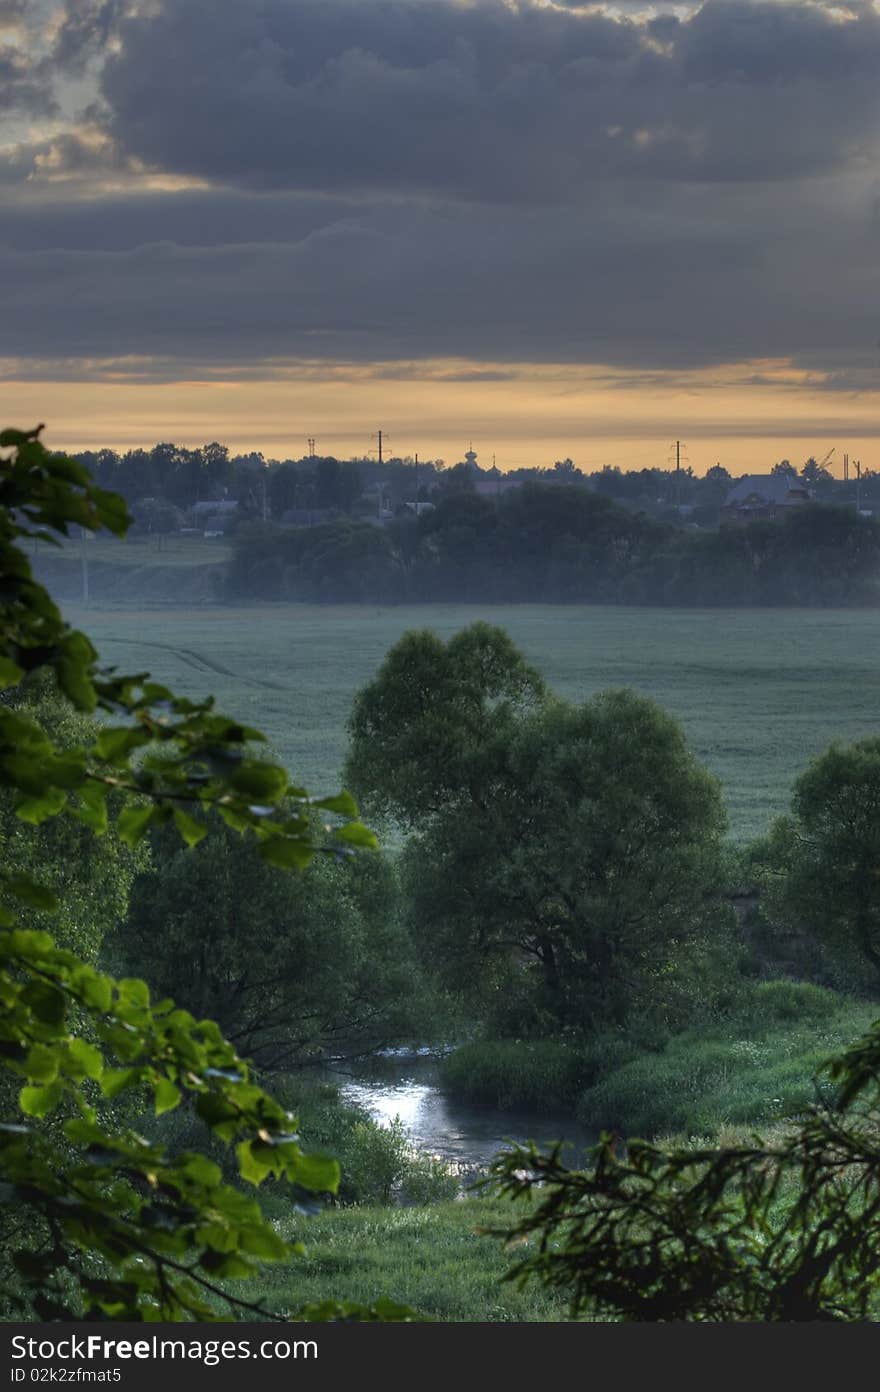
761,1065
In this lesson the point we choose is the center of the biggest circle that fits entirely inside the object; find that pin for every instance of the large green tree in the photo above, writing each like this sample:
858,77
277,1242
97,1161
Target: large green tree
562,857
826,856
110,1224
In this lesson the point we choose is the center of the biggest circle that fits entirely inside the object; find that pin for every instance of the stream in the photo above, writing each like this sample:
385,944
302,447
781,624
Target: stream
466,1135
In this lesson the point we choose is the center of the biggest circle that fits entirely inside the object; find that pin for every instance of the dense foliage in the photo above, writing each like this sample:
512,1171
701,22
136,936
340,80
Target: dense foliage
825,856
294,969
562,858
105,1221
551,543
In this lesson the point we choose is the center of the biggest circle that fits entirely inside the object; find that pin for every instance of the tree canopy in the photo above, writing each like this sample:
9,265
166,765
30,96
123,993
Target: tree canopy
828,853
294,969
560,856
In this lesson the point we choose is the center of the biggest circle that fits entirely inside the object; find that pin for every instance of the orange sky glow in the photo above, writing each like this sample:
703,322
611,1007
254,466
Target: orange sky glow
745,417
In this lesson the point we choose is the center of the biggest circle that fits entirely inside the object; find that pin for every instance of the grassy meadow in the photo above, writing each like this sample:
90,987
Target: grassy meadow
431,1258
758,691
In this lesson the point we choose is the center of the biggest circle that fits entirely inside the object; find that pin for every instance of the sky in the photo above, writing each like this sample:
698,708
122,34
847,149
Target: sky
552,229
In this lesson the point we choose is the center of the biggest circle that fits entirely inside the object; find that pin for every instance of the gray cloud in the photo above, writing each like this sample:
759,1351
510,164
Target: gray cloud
423,178
637,281
488,100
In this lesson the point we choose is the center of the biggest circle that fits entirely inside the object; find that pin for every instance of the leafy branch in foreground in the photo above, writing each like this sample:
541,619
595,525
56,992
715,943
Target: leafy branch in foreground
761,1232
107,1223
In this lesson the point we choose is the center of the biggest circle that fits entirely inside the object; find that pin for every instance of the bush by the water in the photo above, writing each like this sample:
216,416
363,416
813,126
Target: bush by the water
758,1065
378,1163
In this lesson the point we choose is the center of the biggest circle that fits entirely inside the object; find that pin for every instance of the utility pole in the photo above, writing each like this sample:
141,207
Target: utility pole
311,444
679,453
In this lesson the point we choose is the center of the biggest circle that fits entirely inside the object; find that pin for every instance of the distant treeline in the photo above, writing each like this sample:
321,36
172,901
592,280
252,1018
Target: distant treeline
561,544
163,483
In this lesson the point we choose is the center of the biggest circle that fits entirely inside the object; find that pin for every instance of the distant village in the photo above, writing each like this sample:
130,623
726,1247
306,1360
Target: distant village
209,493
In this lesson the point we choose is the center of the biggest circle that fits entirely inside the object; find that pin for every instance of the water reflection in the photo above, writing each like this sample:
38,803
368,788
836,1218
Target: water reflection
468,1135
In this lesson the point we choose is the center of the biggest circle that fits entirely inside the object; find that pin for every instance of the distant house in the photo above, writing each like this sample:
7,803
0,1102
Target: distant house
215,517
763,498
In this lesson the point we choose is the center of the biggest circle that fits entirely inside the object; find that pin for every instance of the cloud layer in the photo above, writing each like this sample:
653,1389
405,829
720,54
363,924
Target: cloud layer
382,179
487,100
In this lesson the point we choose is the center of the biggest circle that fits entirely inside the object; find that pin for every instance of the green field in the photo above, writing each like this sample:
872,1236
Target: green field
759,692
431,1258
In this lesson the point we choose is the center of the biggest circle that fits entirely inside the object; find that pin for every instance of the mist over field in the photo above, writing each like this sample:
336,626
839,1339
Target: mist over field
758,693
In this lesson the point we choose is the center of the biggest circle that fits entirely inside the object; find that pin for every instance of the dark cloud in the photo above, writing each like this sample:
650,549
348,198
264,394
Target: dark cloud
412,179
638,281
487,100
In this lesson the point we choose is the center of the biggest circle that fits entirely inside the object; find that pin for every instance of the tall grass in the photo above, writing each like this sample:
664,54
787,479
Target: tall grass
544,1075
763,1064
432,1259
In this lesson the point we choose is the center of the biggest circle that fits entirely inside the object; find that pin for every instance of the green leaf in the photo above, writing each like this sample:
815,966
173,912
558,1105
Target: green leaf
285,853
259,781
84,1060
317,1172
191,830
116,1080
263,1242
133,990
167,1096
39,1101
94,989
92,809
41,1063
355,834
343,804
202,1170
134,822
10,673
255,1161
114,744
74,671
37,810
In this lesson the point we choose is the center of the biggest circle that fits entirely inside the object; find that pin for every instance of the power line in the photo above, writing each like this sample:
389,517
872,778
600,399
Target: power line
678,449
